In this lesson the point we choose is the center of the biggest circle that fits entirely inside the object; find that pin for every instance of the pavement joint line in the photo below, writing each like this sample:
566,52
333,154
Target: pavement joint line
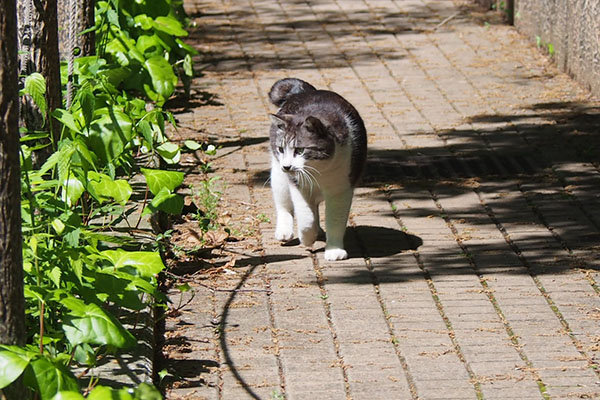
332,330
390,325
267,283
507,326
551,303
215,337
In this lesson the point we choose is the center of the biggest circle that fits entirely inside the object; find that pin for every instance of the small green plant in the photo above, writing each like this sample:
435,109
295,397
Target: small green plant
277,395
207,198
262,218
549,47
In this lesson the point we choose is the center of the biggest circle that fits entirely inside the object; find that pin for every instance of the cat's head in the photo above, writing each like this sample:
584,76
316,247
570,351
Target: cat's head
297,142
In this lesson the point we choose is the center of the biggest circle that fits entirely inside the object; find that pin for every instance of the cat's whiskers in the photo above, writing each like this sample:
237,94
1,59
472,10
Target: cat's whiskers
266,182
308,178
309,168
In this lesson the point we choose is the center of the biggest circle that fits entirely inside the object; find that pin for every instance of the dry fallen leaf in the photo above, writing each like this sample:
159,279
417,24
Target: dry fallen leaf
215,238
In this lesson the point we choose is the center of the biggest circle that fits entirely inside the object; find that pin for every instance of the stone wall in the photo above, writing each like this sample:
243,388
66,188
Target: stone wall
570,30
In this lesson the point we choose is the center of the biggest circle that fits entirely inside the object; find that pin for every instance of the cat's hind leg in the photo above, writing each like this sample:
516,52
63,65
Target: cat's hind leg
337,209
284,208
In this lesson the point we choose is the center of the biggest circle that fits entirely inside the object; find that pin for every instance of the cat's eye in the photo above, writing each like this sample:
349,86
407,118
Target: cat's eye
280,149
299,151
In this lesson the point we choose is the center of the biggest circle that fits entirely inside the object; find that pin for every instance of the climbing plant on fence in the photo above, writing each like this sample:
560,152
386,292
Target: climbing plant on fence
82,274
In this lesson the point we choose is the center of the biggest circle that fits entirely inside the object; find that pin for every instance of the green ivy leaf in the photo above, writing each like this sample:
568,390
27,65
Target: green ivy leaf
48,377
170,152
103,187
146,391
190,144
123,49
188,65
163,78
88,323
110,132
142,263
146,131
103,392
170,26
65,395
84,153
118,289
71,191
149,45
158,179
143,21
171,203
116,74
85,354
13,361
186,47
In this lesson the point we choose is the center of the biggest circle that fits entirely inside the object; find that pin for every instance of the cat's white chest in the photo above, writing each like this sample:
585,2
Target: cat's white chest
333,175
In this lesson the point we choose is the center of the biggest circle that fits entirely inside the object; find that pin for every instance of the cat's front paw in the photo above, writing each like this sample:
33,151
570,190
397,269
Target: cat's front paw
308,236
284,233
335,254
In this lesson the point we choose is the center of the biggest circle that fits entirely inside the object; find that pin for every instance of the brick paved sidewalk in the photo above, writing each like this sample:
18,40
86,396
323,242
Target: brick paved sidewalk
475,234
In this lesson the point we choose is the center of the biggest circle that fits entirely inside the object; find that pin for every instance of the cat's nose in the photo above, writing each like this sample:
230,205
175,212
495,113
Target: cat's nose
286,168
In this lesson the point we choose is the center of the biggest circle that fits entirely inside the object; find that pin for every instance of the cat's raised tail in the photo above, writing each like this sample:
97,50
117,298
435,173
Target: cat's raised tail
284,88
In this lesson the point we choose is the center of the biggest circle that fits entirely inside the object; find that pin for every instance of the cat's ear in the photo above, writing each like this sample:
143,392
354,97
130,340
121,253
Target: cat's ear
280,121
314,125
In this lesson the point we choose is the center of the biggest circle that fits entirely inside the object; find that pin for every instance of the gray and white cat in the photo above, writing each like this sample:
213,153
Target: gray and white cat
318,148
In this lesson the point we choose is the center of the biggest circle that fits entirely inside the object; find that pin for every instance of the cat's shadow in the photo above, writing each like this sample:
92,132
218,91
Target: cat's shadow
378,241
372,241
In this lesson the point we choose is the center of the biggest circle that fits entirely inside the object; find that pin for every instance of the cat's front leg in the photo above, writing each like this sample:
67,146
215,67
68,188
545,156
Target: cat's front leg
284,208
306,217
337,208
